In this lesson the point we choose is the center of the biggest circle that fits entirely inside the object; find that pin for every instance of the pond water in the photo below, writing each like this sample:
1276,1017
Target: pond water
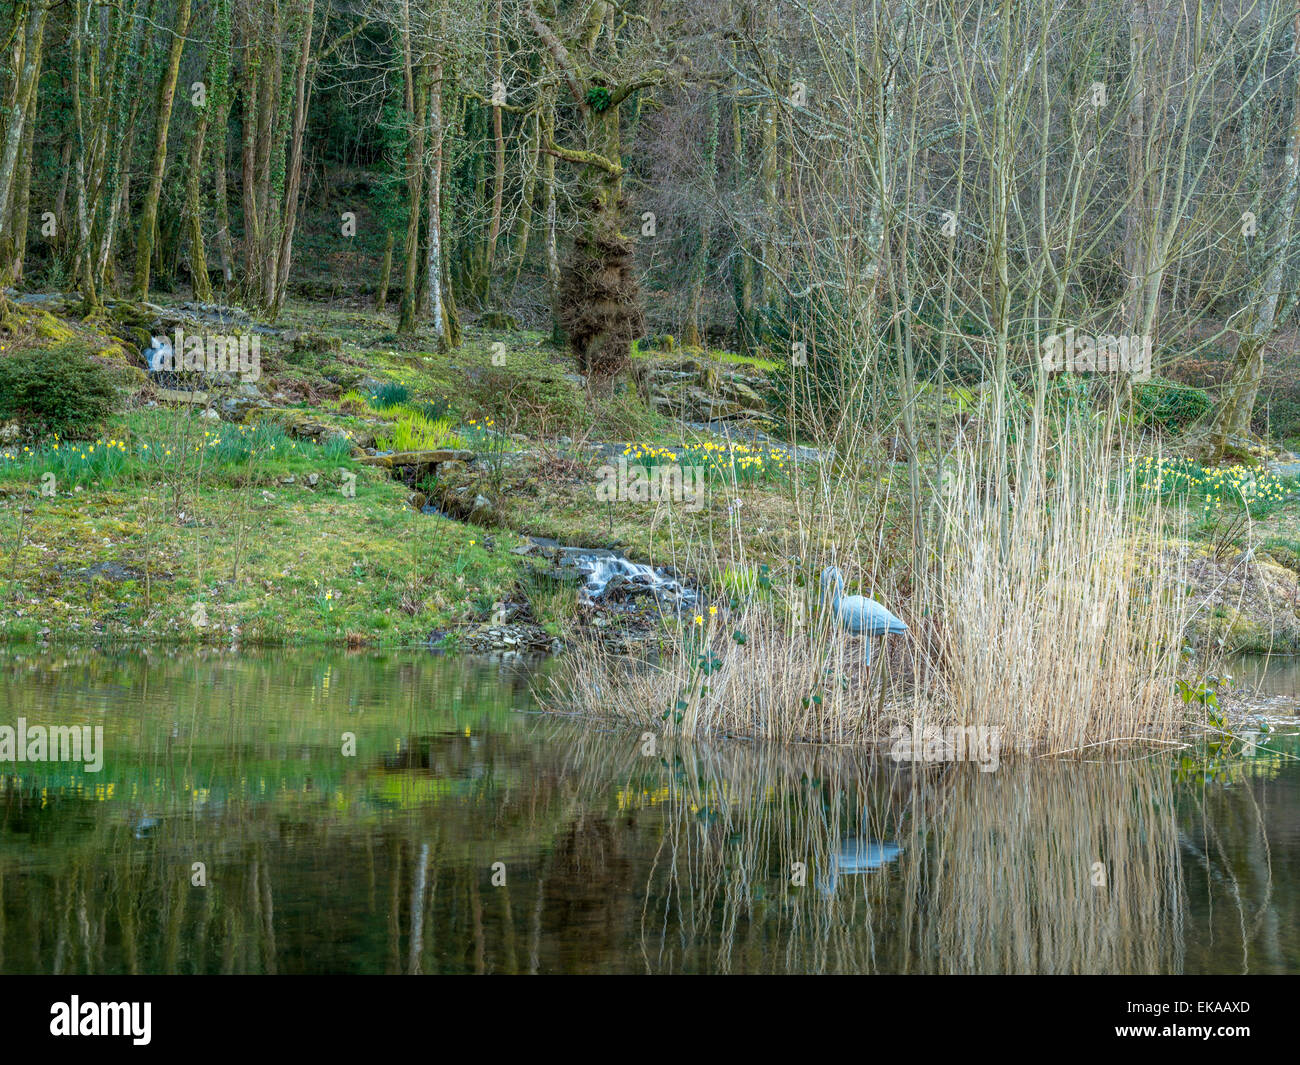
466,833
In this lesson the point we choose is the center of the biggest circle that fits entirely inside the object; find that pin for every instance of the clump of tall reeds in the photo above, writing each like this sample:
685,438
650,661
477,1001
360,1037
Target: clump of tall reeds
1042,604
1060,612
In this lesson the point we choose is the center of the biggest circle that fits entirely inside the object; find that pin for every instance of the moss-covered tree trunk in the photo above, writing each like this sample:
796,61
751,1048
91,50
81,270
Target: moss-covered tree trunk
524,224
128,51
552,226
83,257
600,307
700,263
252,93
17,128
498,166
22,201
223,38
742,270
297,134
194,210
149,212
599,298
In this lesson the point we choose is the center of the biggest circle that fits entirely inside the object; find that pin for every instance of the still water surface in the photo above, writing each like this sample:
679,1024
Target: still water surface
390,859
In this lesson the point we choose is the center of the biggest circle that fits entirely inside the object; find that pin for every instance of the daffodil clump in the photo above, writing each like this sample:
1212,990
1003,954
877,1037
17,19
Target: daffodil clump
102,458
731,462
109,458
1211,486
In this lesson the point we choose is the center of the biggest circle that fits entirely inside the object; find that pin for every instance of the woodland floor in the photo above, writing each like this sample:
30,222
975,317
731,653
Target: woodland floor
273,550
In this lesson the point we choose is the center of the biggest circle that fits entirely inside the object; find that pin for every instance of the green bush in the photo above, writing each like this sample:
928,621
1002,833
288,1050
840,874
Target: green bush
1169,405
59,390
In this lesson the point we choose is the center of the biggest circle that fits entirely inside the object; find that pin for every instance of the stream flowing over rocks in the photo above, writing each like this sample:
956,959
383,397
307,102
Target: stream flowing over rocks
619,598
609,578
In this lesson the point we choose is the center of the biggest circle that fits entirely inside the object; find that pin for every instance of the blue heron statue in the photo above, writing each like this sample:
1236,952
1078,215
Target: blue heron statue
860,615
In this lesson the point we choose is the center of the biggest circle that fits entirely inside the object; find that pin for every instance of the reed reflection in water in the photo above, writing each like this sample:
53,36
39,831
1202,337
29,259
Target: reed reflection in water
467,836
1039,867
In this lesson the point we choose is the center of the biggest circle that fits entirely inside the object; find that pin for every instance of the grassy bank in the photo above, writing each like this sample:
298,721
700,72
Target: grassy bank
1086,571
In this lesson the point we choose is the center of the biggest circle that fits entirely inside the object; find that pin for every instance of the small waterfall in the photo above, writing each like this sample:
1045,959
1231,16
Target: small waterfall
600,568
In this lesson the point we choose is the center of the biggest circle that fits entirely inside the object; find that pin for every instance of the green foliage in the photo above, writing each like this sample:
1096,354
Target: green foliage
532,396
59,391
817,381
755,361
1169,405
1068,395
435,409
745,582
387,395
1284,551
353,402
599,98
554,601
415,432
961,363
663,342
491,446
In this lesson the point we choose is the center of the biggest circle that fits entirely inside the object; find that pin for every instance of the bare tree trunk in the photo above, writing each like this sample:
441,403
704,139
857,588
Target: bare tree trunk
433,281
385,275
415,107
1232,419
498,168
290,214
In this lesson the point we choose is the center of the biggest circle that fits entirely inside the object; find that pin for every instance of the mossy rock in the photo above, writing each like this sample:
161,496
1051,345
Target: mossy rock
1284,554
664,342
137,335
342,375
48,327
420,461
313,349
498,320
136,315
129,377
